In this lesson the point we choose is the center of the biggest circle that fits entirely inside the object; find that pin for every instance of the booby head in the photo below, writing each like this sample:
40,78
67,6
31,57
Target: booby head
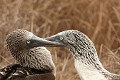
24,47
23,39
74,40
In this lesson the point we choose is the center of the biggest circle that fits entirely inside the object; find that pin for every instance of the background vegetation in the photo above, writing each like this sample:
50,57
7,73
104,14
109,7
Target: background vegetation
99,19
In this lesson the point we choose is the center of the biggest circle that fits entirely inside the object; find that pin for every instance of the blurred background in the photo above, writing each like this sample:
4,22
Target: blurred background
99,19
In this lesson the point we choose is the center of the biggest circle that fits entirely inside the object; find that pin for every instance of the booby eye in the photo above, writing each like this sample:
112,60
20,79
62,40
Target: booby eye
28,42
61,38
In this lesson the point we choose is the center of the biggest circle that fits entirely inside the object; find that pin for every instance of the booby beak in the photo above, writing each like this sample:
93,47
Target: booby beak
38,42
56,40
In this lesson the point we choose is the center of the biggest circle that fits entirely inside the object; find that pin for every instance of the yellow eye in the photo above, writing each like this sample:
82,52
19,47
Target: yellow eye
61,38
28,42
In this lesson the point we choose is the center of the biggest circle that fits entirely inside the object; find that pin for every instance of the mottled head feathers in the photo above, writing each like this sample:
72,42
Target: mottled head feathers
18,43
18,39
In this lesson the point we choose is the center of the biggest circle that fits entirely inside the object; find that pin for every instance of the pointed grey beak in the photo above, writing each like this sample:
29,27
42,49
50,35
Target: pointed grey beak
38,42
56,40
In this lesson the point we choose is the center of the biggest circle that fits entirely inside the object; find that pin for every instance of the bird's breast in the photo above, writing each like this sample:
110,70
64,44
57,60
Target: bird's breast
88,72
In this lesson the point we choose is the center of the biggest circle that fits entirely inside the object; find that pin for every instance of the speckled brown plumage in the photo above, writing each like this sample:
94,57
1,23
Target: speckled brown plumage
31,58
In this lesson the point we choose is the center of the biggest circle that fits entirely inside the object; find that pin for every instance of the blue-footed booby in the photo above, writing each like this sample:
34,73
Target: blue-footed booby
34,62
85,56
